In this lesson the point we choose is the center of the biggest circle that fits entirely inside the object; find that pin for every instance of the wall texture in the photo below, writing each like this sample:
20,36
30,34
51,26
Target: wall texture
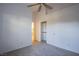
62,28
16,27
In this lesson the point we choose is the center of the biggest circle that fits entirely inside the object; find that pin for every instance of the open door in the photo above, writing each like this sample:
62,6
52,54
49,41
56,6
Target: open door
43,31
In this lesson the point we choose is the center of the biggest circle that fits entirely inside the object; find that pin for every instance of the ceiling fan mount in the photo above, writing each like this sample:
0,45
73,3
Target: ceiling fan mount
40,6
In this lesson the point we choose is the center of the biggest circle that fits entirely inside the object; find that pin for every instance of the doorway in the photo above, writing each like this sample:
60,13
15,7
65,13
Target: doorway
43,31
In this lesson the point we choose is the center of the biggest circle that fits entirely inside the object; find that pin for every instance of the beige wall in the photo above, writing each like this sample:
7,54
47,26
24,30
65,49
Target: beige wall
37,18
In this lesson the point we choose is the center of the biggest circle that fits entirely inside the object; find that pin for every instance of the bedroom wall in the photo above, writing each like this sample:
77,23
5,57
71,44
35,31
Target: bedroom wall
63,29
16,27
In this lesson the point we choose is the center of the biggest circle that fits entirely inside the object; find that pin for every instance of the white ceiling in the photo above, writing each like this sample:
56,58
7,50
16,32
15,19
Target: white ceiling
56,6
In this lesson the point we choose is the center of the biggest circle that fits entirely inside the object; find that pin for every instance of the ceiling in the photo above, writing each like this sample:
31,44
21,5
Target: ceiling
56,6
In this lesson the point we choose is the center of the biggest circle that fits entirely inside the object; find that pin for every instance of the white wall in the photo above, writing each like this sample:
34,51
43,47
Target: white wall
0,27
16,27
63,28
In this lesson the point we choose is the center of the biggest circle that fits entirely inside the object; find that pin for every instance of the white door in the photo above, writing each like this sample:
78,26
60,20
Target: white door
43,31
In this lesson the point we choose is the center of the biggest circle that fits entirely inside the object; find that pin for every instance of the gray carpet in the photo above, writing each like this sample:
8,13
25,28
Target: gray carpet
41,49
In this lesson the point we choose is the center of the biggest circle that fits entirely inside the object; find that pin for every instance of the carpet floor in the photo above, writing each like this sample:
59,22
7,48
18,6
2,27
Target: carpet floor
41,49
